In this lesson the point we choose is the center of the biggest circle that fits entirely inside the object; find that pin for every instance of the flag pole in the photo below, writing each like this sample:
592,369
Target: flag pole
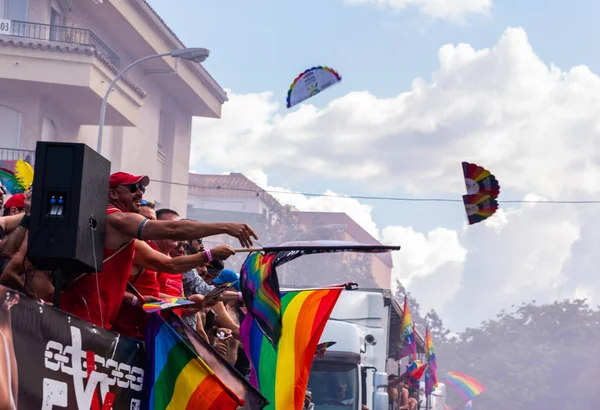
241,250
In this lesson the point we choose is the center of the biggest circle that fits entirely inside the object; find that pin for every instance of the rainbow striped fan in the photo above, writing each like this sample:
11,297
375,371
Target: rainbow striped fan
480,181
166,304
479,207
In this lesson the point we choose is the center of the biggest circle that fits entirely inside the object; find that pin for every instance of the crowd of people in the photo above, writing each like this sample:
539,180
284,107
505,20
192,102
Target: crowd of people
402,396
149,254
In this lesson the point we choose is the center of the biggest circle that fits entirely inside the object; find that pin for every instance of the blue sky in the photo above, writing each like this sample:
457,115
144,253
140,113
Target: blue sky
262,45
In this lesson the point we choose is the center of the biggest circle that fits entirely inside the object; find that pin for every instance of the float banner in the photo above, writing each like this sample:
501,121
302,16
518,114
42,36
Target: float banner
58,361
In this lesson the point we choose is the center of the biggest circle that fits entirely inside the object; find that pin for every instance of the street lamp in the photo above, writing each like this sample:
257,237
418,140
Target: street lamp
196,55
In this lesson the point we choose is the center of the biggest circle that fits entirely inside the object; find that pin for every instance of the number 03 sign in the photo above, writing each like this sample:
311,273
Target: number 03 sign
5,26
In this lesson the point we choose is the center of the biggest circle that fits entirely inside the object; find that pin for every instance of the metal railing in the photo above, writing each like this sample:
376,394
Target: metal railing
9,156
63,34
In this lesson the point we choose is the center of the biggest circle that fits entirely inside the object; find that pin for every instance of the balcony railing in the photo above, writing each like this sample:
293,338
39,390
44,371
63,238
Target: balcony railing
70,35
9,156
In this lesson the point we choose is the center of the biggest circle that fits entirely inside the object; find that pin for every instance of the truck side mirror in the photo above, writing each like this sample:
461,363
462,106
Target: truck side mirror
380,380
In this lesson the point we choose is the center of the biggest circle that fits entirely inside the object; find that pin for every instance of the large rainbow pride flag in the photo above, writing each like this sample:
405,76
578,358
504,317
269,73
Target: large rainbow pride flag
176,377
281,374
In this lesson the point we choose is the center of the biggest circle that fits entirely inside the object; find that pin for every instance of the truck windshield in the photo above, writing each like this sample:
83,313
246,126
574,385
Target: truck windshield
333,385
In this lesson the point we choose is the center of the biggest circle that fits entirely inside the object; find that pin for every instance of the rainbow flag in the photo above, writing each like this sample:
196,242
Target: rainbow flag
281,374
407,334
176,377
467,386
414,372
165,304
260,289
259,284
431,381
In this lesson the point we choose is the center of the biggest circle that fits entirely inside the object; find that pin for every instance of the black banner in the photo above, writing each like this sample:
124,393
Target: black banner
53,360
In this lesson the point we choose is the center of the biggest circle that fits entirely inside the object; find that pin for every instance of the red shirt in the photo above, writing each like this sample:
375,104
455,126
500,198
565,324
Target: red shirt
99,304
131,320
171,284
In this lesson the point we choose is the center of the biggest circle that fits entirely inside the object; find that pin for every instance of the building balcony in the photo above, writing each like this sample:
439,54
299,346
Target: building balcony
9,157
61,34
68,66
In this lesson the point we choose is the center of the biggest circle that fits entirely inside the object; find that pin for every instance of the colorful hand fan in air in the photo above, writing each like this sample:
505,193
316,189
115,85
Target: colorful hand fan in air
478,180
482,191
166,304
310,83
479,207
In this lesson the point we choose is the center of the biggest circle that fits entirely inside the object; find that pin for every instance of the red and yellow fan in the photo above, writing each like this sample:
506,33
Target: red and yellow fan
482,191
479,207
479,180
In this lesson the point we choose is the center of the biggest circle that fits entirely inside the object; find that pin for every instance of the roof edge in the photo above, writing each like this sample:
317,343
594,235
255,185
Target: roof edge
202,73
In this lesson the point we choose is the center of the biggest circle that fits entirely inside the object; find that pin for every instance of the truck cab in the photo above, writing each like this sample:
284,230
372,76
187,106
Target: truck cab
352,372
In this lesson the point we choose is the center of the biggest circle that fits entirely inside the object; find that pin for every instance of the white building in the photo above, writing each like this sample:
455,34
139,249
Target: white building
57,58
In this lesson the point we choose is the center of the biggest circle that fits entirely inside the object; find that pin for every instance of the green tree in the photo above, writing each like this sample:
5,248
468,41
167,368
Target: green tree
535,357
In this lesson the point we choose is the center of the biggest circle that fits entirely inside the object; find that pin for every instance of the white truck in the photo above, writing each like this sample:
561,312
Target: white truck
352,374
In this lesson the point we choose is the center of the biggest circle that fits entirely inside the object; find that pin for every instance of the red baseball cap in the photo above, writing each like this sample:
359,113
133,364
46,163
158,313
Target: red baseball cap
123,178
16,200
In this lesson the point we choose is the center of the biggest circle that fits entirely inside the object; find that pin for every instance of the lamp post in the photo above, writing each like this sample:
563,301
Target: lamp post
196,55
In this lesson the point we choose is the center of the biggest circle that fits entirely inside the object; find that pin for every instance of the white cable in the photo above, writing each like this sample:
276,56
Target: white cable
92,229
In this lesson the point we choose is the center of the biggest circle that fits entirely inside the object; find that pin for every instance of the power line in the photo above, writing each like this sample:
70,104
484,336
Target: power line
372,198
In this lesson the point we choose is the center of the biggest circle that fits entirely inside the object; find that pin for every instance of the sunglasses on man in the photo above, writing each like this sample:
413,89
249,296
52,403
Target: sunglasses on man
133,188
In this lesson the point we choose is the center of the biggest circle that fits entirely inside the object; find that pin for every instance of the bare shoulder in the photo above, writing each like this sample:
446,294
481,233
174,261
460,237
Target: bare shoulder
121,227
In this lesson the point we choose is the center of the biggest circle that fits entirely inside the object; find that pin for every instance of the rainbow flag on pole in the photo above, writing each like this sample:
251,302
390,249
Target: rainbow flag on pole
176,377
431,381
407,334
259,284
281,374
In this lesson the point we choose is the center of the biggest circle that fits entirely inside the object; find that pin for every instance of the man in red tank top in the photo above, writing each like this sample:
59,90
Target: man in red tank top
97,297
132,320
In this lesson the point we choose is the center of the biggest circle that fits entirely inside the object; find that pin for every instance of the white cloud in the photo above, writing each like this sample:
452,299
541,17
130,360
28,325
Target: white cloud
454,10
534,126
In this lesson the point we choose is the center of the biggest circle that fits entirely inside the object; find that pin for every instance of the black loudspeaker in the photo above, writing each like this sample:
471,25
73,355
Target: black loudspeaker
68,209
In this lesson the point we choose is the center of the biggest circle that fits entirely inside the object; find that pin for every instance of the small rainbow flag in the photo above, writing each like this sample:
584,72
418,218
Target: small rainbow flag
260,289
431,381
414,372
176,377
165,304
281,374
407,334
467,386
